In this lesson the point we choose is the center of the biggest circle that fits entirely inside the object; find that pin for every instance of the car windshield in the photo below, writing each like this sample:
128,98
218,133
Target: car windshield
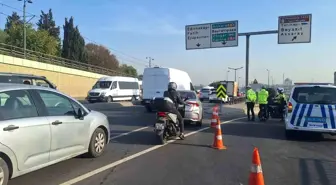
189,94
102,85
315,95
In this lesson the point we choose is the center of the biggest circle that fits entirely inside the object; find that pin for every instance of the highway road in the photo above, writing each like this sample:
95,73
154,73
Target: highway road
133,157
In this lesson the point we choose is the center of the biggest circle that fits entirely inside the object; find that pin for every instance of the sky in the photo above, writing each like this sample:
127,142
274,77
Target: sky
134,30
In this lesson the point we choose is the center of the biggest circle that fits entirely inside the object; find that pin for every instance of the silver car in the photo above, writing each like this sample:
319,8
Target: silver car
193,111
40,126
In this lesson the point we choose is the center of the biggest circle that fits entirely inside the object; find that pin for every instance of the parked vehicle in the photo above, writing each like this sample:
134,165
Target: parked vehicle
28,79
114,88
40,126
193,111
155,81
311,108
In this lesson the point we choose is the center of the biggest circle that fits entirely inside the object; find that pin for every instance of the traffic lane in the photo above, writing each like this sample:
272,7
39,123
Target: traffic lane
118,149
123,119
192,161
101,178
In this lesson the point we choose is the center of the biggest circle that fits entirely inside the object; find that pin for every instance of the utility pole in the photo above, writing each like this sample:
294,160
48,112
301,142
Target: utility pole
149,61
235,69
25,26
268,76
283,78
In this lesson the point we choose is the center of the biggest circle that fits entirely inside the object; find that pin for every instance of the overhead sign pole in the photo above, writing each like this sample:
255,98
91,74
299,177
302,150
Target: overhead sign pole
292,29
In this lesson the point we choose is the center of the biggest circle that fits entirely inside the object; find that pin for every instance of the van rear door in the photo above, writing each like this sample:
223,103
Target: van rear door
154,83
314,107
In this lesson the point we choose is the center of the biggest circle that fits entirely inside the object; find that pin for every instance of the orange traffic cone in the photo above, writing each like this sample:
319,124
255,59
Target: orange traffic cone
218,139
256,175
214,117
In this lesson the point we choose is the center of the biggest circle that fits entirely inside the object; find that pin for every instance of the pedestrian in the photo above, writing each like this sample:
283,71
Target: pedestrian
251,98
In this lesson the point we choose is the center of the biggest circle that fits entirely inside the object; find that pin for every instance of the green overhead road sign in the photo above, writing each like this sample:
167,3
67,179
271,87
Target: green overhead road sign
221,91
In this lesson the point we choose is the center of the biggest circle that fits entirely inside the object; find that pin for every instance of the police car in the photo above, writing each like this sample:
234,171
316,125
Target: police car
311,108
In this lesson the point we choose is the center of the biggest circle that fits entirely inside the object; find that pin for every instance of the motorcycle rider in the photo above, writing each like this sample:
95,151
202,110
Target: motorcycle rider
176,98
281,100
262,100
250,101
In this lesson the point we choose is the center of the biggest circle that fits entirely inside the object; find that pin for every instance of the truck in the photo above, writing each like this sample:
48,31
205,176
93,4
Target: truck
232,88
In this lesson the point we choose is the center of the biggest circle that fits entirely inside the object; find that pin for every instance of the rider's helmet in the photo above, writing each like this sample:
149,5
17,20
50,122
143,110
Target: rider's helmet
172,86
280,90
263,87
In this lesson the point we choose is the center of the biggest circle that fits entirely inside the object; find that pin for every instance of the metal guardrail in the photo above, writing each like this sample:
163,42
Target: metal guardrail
14,51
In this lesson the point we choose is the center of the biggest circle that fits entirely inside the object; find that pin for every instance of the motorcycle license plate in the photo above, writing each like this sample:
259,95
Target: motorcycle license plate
159,126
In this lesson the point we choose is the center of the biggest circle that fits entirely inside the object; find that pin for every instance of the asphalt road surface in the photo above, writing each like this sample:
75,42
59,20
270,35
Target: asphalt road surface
133,156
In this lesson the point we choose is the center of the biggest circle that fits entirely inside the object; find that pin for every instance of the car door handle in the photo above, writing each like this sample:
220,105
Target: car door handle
56,122
10,127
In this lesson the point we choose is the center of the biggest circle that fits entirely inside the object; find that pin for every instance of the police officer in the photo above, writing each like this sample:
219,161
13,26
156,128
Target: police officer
251,98
262,100
281,100
176,98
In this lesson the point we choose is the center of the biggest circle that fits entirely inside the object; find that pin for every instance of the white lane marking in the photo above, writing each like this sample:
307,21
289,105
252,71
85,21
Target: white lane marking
128,133
116,163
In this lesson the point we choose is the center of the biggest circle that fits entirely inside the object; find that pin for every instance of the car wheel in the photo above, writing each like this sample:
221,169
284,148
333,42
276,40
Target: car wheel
109,99
97,143
210,101
200,122
4,172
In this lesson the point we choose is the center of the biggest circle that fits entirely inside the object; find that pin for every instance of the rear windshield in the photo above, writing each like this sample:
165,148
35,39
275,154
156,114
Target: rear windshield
315,95
102,85
205,90
190,95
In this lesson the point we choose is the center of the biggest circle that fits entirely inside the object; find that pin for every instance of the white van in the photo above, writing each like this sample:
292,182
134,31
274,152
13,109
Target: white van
155,82
114,88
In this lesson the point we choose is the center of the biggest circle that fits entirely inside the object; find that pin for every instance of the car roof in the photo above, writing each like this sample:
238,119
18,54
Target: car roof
296,86
21,75
15,86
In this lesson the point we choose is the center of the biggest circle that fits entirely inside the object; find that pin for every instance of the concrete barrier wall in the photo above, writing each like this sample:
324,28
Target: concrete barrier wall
73,82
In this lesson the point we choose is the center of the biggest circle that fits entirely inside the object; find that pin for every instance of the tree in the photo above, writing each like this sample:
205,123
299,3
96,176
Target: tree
39,41
129,70
47,23
100,56
73,42
3,36
14,19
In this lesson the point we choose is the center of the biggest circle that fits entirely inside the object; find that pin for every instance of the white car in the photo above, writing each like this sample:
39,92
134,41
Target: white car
311,108
40,126
204,94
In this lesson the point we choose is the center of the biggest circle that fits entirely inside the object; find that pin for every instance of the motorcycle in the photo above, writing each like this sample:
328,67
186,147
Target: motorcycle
273,109
263,114
167,125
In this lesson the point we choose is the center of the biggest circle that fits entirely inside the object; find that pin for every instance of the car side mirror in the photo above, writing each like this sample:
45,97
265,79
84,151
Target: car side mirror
80,114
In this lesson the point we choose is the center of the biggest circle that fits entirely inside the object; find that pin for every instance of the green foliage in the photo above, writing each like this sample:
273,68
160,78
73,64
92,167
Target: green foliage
129,70
73,42
39,41
3,36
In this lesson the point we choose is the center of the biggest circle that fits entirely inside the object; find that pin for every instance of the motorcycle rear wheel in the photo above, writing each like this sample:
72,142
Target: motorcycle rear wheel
162,138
